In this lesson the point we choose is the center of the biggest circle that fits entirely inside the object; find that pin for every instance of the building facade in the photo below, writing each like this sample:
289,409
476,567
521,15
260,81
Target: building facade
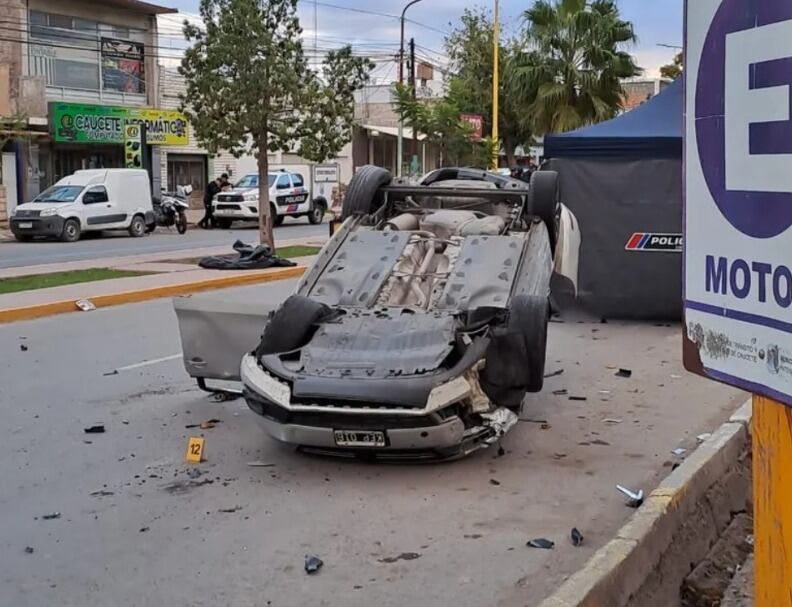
73,73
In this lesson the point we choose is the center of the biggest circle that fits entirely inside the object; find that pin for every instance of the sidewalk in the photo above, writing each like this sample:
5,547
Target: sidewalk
126,261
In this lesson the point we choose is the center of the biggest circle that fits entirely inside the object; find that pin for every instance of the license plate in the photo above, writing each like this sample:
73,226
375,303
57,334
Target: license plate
359,438
25,225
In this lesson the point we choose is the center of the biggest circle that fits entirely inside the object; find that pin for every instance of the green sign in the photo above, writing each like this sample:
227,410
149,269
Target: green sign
133,146
79,123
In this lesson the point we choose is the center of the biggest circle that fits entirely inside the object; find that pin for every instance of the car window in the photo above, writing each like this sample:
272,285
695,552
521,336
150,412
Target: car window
283,182
297,180
95,194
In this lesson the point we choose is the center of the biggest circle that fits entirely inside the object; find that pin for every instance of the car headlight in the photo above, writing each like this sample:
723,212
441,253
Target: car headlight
448,393
48,212
251,197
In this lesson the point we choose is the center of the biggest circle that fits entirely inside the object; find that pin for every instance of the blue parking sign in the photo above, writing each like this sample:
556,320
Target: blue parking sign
738,193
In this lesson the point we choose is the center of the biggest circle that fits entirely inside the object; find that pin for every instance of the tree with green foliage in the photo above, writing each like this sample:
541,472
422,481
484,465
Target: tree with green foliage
439,121
469,47
674,69
573,63
249,88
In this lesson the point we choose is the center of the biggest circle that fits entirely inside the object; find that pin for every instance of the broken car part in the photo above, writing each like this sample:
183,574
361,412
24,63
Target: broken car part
635,499
312,563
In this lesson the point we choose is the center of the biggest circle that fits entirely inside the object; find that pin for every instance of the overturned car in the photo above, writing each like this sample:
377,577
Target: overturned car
421,325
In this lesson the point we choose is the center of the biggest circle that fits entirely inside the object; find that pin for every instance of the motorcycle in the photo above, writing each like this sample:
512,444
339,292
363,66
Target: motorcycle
171,209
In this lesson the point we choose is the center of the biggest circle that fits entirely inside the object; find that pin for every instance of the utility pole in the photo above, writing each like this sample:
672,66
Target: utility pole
414,154
495,86
400,138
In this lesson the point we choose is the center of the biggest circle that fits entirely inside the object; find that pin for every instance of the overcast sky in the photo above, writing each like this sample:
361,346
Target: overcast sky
656,22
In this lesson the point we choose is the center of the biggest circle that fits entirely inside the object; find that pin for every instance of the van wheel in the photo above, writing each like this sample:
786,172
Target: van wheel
71,231
317,212
138,227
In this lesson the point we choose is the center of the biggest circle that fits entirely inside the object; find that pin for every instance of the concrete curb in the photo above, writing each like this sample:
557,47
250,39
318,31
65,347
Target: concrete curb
616,574
184,288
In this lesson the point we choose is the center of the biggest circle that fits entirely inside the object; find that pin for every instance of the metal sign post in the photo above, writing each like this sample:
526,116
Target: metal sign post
738,242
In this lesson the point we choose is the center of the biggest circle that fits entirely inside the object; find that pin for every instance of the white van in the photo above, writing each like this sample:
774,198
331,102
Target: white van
90,200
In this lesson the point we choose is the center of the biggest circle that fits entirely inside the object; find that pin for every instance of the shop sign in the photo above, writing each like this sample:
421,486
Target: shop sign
79,123
122,66
476,122
325,173
133,146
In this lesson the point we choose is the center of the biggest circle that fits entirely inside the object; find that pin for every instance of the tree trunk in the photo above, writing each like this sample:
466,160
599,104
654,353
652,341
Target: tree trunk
508,148
265,215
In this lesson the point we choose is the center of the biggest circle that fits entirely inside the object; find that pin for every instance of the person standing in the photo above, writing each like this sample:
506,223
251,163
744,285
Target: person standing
212,189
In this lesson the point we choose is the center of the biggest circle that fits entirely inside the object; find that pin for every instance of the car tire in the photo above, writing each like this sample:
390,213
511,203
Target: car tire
290,326
277,220
224,223
515,359
71,231
361,197
544,195
23,237
317,212
137,227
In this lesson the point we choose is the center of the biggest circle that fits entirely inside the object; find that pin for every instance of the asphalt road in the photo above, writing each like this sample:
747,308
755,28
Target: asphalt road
113,244
137,526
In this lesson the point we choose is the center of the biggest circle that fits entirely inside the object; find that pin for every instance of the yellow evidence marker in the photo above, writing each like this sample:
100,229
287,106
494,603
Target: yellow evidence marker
195,448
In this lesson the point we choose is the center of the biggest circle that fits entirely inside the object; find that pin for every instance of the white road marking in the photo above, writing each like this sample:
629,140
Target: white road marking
153,361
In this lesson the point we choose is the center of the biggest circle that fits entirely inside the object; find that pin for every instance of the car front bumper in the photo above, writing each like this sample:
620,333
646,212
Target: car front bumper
39,226
244,211
412,434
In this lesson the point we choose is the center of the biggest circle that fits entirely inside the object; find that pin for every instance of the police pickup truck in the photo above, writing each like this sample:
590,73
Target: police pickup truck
288,195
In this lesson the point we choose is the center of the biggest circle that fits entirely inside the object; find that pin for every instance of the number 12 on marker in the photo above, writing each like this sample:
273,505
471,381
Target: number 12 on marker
195,448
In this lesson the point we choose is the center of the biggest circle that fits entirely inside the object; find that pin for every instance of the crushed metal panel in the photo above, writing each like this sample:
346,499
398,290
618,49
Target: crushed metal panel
483,273
357,271
380,343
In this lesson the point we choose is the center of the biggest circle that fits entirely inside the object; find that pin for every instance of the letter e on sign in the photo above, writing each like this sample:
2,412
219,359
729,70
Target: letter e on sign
195,447
738,193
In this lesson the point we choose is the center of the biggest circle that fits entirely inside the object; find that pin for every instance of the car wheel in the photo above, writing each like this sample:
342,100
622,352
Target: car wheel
71,231
223,224
316,214
23,237
137,227
277,220
291,325
361,197
545,201
515,359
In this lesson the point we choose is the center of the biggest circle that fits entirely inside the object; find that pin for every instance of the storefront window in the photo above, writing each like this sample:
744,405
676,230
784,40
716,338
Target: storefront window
82,54
187,169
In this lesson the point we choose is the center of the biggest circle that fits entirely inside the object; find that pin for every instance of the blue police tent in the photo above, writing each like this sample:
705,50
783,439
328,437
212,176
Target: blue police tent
622,178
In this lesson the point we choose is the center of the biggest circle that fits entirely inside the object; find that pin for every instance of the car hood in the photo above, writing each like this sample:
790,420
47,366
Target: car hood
41,206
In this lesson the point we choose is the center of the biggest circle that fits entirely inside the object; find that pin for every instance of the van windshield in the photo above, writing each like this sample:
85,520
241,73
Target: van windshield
59,193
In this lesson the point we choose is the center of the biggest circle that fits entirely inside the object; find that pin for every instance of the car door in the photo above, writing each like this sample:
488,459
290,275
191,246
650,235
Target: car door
282,192
100,211
299,194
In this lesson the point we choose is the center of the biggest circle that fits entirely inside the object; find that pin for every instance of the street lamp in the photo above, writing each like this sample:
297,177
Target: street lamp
400,138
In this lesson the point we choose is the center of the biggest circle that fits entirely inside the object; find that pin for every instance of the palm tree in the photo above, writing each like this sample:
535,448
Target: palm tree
572,63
